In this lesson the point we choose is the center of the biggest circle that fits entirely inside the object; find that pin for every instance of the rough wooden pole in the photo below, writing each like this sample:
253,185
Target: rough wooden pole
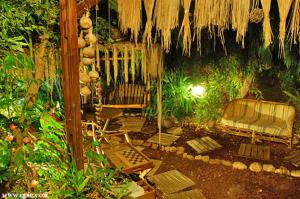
69,47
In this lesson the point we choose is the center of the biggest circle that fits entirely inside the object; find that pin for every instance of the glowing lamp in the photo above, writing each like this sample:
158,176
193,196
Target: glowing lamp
198,90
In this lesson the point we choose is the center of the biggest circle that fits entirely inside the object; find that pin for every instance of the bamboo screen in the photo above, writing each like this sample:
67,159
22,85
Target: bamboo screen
128,62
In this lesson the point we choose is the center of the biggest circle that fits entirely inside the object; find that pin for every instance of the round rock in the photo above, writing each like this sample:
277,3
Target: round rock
239,166
268,168
255,167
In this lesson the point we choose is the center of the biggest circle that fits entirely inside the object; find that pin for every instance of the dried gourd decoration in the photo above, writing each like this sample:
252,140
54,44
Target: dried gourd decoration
89,51
85,92
83,76
81,41
90,38
85,21
94,75
87,61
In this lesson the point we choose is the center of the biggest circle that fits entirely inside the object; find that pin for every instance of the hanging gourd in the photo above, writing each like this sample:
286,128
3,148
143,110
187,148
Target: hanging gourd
85,21
90,38
94,75
81,41
84,78
87,61
85,91
89,51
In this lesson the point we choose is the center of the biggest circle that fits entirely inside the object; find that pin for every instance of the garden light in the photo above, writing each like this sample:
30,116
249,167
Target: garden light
198,90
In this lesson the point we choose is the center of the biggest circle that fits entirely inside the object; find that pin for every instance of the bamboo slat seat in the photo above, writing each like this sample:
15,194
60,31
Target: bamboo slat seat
127,96
264,120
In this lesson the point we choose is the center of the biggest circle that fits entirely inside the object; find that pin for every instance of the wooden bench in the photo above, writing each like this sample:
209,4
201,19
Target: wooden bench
127,96
264,120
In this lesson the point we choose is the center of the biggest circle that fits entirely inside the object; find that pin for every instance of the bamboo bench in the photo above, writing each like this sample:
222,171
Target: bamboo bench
264,120
127,96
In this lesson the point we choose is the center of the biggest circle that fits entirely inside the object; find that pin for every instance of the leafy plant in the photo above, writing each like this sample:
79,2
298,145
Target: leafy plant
177,98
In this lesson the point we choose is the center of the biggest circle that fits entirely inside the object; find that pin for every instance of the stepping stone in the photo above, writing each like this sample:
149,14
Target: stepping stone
165,139
204,144
192,194
157,164
294,158
259,152
171,181
133,124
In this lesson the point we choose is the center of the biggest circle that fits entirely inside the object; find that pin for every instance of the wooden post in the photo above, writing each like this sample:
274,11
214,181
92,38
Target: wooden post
69,46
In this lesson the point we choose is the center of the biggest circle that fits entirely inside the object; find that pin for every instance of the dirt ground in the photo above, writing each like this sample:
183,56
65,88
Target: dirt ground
218,181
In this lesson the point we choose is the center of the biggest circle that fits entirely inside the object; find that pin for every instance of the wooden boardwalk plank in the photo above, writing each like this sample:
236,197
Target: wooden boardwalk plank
204,144
166,139
171,181
254,151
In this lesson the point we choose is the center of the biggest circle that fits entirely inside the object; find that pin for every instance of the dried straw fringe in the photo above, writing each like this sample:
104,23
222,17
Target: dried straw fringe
147,37
185,29
211,14
107,67
144,64
126,63
284,7
294,30
166,19
132,63
266,5
240,18
130,17
115,63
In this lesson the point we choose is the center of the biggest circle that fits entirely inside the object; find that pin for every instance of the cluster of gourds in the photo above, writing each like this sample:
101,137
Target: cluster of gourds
87,42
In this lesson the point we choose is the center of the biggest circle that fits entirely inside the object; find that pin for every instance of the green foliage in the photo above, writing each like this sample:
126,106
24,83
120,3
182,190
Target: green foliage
177,98
5,155
223,84
24,20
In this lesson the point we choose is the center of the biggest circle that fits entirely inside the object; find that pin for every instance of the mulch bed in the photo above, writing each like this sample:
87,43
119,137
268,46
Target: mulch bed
218,181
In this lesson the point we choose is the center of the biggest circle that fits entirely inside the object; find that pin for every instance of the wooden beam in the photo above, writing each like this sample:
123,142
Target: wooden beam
70,72
86,4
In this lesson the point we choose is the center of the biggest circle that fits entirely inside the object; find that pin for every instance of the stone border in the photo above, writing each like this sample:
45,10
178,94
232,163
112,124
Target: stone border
255,167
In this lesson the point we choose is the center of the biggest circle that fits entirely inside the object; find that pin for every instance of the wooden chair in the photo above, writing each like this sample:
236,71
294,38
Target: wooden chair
127,96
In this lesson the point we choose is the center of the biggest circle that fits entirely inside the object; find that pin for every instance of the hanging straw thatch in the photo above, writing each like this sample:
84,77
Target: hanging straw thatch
284,8
132,52
147,36
185,29
126,60
130,17
107,67
266,5
144,64
240,18
214,15
166,19
294,30
115,63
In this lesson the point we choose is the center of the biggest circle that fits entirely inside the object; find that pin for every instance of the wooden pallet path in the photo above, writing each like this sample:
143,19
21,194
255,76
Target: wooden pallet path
294,158
191,194
133,124
165,139
254,151
204,144
171,181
